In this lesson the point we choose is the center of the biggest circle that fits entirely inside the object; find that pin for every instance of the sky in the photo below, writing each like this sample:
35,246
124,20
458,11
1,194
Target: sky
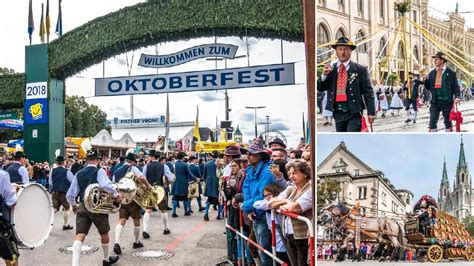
410,161
285,104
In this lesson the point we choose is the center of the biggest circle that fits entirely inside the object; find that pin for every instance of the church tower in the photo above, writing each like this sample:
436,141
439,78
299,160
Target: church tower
462,190
444,190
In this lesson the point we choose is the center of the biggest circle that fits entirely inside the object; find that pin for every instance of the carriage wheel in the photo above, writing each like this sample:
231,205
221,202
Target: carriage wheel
469,254
435,253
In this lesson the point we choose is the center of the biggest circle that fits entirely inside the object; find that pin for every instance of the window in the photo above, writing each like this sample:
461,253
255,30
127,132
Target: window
360,38
415,53
356,172
415,16
340,33
401,54
408,200
362,193
394,207
383,47
382,8
462,177
384,198
323,35
342,5
360,7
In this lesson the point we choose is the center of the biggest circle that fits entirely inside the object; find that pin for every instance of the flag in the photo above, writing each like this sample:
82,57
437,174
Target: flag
59,24
48,23
31,24
304,129
167,123
196,136
42,31
308,133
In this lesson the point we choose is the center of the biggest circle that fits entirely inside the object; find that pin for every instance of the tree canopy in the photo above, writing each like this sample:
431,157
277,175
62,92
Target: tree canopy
83,119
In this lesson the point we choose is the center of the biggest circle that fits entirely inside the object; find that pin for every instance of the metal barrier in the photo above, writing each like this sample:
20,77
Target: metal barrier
273,254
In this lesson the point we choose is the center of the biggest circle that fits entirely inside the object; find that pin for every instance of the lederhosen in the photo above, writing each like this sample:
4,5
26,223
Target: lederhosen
155,172
85,218
60,187
132,209
8,241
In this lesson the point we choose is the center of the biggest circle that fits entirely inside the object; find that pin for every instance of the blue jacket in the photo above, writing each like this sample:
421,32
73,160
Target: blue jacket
183,176
212,182
254,183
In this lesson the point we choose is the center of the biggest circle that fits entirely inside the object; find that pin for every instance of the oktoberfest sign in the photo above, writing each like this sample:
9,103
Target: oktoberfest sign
190,54
232,78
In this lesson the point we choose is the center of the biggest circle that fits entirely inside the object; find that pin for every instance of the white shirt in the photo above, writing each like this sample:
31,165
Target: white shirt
168,173
305,201
102,179
7,191
227,170
346,64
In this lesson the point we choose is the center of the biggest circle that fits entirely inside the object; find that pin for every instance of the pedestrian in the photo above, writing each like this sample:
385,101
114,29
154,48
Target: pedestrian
211,190
349,89
179,190
444,87
59,182
411,95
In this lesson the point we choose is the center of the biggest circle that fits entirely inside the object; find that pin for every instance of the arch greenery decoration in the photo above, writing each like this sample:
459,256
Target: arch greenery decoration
161,21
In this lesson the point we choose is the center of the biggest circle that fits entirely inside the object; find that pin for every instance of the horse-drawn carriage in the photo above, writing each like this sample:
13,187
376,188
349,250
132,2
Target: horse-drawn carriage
441,236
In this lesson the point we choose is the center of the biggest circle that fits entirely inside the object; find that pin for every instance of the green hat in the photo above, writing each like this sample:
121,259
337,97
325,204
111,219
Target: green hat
92,154
19,154
130,156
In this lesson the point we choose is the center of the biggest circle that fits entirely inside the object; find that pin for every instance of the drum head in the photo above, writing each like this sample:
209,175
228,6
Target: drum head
32,217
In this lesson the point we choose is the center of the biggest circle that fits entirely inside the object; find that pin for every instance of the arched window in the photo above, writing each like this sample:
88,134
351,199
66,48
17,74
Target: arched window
340,33
360,38
382,47
401,54
462,177
415,53
323,34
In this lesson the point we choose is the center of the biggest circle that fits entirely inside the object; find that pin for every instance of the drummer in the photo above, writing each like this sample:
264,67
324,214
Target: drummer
132,209
155,171
60,180
8,245
90,175
194,168
17,170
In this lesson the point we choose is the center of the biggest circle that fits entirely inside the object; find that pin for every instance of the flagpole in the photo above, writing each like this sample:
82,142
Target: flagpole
167,130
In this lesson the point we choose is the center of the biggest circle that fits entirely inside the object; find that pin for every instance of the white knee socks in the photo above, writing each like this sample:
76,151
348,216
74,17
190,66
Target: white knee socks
136,233
105,250
66,217
76,252
164,219
118,233
146,221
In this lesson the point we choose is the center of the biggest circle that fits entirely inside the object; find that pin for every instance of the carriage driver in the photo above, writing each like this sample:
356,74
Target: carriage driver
8,246
89,175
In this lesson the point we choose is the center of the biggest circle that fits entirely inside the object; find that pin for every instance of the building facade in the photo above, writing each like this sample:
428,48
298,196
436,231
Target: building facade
376,195
372,19
459,201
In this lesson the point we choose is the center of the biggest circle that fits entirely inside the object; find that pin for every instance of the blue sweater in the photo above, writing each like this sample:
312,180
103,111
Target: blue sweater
255,181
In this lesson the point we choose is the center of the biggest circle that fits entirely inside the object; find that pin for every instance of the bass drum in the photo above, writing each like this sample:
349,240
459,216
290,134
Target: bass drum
32,217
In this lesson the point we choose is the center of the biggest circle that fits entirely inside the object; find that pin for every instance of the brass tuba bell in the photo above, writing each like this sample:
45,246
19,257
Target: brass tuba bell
143,197
97,200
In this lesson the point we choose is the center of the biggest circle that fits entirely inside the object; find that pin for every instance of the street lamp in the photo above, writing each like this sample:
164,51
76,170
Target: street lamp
255,109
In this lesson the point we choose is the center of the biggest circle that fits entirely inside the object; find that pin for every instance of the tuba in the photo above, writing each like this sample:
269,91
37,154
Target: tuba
143,197
97,200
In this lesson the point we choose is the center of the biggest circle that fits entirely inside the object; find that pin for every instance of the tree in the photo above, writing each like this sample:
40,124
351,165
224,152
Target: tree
83,119
327,190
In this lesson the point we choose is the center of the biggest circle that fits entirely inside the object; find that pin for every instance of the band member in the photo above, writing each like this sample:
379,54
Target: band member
412,98
89,175
60,180
132,209
17,171
179,190
8,243
194,168
211,190
349,89
444,87
155,172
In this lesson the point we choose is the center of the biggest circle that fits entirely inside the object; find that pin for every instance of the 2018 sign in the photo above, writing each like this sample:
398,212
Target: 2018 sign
36,90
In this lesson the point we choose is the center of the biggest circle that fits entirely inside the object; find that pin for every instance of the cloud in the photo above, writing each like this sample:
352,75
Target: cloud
279,126
246,117
210,96
121,61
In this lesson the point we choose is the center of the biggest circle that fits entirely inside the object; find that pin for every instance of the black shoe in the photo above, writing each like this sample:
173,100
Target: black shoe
408,121
218,218
117,249
174,215
325,123
67,227
190,211
201,209
168,208
138,245
187,214
206,217
215,207
166,232
112,260
414,121
145,235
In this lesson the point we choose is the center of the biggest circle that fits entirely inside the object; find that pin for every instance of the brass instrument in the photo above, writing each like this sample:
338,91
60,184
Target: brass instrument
143,197
193,190
97,200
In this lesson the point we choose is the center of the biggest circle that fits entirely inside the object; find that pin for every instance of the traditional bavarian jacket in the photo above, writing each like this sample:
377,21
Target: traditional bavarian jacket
88,175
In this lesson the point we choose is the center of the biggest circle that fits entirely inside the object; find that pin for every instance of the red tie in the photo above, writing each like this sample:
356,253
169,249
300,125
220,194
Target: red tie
341,84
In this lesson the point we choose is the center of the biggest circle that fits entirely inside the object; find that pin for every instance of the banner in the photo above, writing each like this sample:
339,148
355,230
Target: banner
216,146
137,121
7,115
190,54
11,124
232,78
36,111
